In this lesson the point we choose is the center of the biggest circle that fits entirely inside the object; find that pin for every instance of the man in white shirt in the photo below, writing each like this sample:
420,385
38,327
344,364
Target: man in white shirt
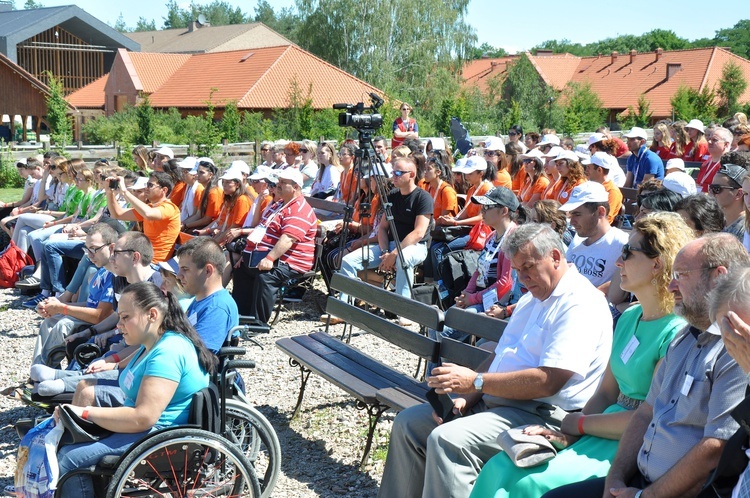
597,244
676,179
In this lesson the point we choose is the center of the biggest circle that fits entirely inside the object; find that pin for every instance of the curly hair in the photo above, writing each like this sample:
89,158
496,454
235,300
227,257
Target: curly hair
548,211
664,234
575,171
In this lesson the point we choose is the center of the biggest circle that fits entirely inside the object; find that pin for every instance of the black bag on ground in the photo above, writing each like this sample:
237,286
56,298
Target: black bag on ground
449,233
455,271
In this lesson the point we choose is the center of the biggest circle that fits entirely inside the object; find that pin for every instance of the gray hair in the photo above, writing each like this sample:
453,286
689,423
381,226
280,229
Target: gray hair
723,249
540,235
725,135
731,289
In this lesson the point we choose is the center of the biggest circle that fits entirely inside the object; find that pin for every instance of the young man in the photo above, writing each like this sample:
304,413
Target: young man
597,170
726,188
718,144
644,163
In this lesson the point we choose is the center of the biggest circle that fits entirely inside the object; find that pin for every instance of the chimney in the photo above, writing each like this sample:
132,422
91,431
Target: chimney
193,26
614,56
659,52
632,56
673,69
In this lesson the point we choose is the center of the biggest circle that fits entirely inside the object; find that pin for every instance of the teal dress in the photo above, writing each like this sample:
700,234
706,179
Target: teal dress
590,456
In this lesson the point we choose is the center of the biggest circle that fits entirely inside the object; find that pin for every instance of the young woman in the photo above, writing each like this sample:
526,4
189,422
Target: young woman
172,168
329,172
697,149
141,159
445,201
516,170
159,380
551,171
347,190
233,211
308,167
536,181
211,200
193,193
662,141
641,339
571,175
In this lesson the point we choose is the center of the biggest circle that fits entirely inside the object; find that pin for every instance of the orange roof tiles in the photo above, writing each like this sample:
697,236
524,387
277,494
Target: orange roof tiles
258,79
479,72
153,69
90,96
556,70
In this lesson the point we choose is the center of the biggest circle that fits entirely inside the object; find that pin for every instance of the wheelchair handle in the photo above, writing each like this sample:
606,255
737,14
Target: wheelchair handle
237,364
230,351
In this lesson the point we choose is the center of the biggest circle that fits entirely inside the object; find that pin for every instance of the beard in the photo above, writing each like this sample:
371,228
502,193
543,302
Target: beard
695,311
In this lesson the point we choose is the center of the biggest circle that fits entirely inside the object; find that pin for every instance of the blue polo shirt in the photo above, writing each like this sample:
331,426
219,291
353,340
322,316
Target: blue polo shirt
212,318
646,162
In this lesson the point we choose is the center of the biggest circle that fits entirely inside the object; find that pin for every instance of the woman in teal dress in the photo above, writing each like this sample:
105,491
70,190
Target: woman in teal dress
641,338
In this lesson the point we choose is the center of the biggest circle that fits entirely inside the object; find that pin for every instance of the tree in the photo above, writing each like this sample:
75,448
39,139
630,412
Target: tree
731,87
145,116
174,17
688,103
582,108
737,38
120,24
637,117
145,25
31,4
523,87
487,50
61,129
230,122
285,21
218,13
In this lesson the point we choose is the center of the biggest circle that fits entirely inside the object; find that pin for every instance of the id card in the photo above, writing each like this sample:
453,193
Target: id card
257,234
686,385
128,380
489,298
629,350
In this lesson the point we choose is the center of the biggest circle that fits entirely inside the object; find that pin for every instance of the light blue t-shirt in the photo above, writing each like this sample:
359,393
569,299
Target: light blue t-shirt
101,289
213,316
174,358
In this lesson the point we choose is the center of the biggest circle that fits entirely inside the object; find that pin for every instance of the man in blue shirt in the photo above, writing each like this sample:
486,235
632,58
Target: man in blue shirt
643,164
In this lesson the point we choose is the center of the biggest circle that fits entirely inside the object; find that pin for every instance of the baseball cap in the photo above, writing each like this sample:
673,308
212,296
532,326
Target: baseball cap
583,193
549,139
21,161
533,154
437,143
172,265
696,124
681,184
675,163
494,143
187,163
232,174
165,151
567,154
292,174
553,152
139,184
241,166
636,132
459,166
596,138
261,173
600,159
474,163
733,171
204,160
498,195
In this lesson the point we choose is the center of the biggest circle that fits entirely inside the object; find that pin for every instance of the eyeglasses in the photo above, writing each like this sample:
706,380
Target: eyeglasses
628,250
52,167
487,207
512,134
490,153
79,179
405,109
304,151
120,251
94,250
152,185
399,174
344,155
678,274
716,188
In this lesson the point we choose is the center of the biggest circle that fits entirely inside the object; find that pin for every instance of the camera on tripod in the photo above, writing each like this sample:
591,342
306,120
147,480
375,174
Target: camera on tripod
359,117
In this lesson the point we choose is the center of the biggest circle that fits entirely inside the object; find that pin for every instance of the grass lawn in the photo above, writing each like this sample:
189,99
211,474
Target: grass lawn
10,194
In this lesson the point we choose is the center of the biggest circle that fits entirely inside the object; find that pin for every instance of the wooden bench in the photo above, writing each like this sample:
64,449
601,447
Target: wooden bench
325,209
357,373
453,351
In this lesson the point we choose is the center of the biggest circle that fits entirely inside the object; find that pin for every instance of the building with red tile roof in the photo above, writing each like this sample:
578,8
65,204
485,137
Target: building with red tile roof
619,79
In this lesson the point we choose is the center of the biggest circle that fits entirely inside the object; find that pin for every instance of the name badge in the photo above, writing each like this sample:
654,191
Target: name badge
257,234
489,298
193,319
128,380
688,382
629,350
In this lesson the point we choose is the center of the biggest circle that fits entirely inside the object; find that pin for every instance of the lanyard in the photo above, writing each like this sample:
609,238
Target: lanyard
437,191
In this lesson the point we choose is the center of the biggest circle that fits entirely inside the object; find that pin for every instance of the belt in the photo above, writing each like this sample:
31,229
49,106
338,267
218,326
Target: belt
628,402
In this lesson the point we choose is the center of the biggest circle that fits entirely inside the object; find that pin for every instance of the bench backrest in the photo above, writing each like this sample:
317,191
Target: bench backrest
477,324
326,205
630,200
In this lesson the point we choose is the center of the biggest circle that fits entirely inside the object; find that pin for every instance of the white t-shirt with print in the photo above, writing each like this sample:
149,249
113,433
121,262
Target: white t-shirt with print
597,261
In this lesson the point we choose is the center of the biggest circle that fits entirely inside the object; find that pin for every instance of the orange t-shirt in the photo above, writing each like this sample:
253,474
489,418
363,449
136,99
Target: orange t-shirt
178,194
236,216
199,188
519,181
215,201
347,187
445,200
552,189
162,233
502,179
528,191
615,199
471,210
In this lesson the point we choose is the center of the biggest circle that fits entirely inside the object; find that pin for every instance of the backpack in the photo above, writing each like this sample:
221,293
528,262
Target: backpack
454,272
12,261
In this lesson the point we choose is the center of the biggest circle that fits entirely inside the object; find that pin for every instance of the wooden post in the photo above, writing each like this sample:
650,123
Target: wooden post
23,128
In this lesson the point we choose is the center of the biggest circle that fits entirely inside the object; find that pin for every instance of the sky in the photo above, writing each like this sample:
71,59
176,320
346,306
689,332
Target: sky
514,29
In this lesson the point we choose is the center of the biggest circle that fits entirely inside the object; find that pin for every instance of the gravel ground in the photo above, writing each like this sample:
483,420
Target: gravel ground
321,448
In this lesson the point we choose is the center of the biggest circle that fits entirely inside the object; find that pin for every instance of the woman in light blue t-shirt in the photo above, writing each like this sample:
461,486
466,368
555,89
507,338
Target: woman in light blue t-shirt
159,380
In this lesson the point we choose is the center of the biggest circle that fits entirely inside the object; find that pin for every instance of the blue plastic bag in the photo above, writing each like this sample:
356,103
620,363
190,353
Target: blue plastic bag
37,470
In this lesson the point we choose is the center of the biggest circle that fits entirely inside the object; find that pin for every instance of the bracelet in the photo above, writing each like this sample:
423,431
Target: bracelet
116,357
269,259
508,311
85,414
65,309
580,425
455,223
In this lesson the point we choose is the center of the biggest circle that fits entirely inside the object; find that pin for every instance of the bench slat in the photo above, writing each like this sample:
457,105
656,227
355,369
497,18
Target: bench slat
477,324
461,353
428,316
400,400
388,331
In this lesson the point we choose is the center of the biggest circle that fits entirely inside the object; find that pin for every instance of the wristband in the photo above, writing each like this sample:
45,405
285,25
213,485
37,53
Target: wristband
85,414
580,425
508,311
65,309
269,259
116,357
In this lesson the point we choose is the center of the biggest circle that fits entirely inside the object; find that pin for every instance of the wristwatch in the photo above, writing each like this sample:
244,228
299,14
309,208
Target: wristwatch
478,383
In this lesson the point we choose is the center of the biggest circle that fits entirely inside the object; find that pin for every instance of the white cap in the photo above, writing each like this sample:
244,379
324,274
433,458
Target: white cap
636,132
474,163
533,154
437,144
596,138
459,166
172,265
261,173
583,193
696,124
21,161
680,183
675,163
599,158
188,163
567,154
232,174
139,184
165,151
242,166
549,139
292,174
204,159
494,143
553,152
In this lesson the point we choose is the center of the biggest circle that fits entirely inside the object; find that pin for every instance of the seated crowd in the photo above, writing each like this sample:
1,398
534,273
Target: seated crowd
614,327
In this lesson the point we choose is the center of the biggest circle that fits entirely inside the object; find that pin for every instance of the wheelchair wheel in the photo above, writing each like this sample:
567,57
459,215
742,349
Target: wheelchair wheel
254,434
184,462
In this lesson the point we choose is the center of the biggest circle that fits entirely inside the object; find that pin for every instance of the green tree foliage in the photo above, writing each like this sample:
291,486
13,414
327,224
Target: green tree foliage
523,87
145,117
688,103
218,13
61,129
230,122
731,87
285,21
647,42
31,4
487,50
737,38
144,24
582,108
637,117
120,24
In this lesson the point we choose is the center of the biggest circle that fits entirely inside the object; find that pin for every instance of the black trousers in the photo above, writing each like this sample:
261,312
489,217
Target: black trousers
594,488
255,291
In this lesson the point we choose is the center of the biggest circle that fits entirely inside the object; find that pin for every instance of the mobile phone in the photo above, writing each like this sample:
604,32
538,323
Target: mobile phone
113,184
442,404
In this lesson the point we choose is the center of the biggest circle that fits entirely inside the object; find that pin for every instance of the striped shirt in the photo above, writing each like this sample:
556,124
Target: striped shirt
297,220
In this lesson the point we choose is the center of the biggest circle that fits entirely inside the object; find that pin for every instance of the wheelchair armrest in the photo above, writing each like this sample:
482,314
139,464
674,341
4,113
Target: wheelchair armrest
230,351
236,364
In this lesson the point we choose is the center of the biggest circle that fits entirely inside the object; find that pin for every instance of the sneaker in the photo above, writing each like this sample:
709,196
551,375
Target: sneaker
332,320
34,301
29,283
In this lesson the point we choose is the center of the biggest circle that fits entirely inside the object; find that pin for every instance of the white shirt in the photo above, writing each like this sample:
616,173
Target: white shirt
329,181
570,330
616,174
188,207
597,261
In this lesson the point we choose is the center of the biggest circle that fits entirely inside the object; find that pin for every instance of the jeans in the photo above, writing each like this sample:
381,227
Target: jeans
37,237
413,255
53,270
75,456
80,278
25,224
439,251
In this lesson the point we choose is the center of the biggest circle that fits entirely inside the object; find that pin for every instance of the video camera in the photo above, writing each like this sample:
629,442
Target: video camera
359,117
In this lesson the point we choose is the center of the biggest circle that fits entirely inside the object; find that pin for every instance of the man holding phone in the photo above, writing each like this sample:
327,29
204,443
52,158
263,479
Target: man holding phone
548,363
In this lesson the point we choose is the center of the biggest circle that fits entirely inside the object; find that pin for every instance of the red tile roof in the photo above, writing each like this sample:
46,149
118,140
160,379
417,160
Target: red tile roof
151,70
556,70
258,79
479,72
90,96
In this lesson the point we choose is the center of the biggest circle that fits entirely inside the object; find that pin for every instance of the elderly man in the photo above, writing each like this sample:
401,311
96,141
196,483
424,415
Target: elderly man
548,362
676,436
280,248
643,164
718,144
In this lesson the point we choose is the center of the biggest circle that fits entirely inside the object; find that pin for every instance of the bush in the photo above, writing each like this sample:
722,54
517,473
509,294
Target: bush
9,177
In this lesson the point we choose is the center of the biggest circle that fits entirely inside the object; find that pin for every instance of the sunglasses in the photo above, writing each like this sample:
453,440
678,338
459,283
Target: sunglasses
487,207
716,188
628,250
52,167
512,134
525,161
304,151
490,153
399,174
152,185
